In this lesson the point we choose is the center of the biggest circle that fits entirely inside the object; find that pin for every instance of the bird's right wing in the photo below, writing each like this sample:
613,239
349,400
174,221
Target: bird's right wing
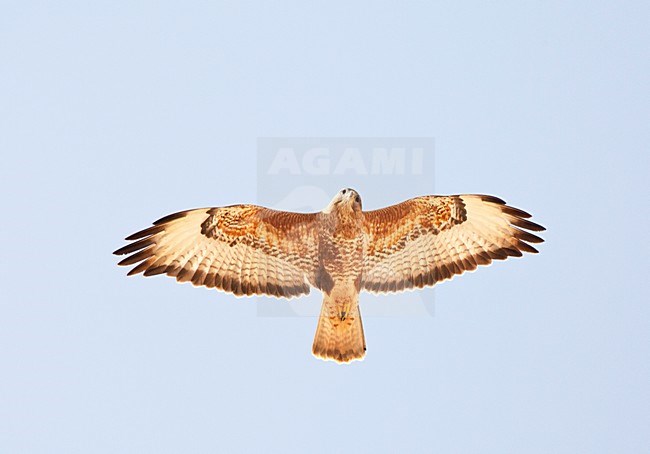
242,249
428,239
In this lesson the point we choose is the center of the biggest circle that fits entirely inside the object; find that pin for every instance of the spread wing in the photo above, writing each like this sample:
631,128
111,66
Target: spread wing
243,249
428,239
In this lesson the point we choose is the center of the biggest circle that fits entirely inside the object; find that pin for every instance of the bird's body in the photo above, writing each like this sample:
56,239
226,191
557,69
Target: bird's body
342,247
342,250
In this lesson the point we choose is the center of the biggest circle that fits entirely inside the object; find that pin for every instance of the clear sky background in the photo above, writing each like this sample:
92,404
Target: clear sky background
114,115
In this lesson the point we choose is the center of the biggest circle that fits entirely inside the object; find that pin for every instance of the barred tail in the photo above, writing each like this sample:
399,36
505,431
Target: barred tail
339,335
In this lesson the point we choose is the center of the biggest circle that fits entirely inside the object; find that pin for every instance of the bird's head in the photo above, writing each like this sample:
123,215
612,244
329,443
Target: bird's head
345,198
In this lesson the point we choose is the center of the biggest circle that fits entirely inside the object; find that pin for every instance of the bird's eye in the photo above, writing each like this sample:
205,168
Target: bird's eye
358,199
344,191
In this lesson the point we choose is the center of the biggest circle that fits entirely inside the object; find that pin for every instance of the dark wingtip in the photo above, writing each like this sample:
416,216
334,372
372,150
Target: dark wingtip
512,211
171,217
527,236
492,199
527,247
133,247
155,271
145,232
526,224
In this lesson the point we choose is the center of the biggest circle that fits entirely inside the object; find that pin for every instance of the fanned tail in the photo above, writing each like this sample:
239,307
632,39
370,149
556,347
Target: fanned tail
339,335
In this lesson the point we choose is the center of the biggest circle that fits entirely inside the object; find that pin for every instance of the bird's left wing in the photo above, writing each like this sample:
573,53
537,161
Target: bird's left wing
428,239
242,249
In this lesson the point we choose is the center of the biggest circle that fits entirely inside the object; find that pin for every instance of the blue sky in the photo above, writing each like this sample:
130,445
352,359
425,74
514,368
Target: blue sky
114,115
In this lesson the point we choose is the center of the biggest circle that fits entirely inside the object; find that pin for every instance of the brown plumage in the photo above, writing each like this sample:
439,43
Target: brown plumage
342,250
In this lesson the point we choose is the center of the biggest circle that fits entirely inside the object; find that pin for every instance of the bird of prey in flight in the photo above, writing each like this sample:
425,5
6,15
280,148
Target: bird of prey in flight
341,250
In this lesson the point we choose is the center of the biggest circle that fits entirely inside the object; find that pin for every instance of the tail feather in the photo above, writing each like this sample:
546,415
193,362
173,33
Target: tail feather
339,335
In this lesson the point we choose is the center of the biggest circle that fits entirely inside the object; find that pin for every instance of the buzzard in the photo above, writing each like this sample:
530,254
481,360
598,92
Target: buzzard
342,250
